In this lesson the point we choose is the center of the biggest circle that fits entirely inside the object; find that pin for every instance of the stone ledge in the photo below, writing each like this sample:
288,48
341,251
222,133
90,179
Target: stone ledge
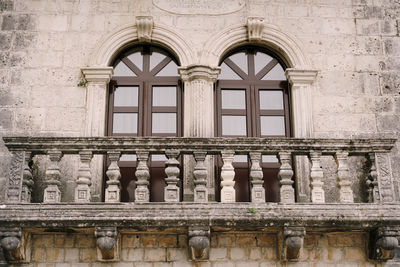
242,216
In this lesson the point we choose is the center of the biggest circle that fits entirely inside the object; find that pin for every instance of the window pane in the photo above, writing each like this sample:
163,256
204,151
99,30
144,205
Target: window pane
170,70
271,99
155,59
276,74
164,96
269,159
234,125
272,125
163,123
260,61
227,73
125,123
240,59
137,59
127,157
233,99
122,70
126,96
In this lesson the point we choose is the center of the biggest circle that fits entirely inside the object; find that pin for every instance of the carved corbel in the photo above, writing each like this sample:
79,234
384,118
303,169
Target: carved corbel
144,25
255,26
291,243
199,242
13,243
383,242
107,243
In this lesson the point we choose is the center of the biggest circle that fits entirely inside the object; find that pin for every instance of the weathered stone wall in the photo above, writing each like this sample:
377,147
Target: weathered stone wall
354,44
227,249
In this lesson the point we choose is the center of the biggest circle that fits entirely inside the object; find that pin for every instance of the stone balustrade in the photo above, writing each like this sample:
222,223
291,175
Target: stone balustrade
378,184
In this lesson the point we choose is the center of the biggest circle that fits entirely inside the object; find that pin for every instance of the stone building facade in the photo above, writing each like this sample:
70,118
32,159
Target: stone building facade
337,177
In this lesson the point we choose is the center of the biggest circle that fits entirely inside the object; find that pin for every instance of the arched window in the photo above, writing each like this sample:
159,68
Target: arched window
144,100
252,100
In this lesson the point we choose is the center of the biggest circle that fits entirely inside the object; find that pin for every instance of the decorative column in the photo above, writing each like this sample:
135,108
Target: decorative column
285,175
107,243
228,193
345,191
385,178
372,181
113,193
84,179
97,79
199,119
52,193
317,192
171,191
27,182
15,177
142,193
256,178
301,81
200,177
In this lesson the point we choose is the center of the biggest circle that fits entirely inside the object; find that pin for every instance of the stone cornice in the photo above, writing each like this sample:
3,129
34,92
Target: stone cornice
193,72
97,74
301,76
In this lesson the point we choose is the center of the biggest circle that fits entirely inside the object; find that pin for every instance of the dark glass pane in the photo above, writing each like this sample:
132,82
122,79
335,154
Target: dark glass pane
125,123
233,99
271,99
272,125
234,125
163,123
122,70
126,96
227,73
276,74
164,96
240,59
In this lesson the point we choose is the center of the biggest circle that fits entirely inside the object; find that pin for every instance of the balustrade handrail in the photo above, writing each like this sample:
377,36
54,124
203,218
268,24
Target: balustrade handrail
187,145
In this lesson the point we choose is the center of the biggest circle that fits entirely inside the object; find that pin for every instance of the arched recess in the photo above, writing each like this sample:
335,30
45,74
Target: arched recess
127,35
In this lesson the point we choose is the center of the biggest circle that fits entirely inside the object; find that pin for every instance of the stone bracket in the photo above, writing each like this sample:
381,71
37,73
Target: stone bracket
14,244
144,25
199,242
291,242
107,243
382,243
255,26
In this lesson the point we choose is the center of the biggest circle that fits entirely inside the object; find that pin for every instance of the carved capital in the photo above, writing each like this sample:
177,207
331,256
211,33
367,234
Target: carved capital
144,25
193,72
383,242
11,243
107,244
97,74
301,76
292,242
199,242
255,26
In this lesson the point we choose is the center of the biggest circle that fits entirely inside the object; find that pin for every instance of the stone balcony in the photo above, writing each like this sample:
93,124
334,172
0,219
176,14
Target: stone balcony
379,215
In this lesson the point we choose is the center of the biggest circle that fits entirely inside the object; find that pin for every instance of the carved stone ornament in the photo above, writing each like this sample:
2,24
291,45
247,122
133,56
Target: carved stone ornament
199,242
292,242
12,244
202,72
255,26
107,243
144,25
383,242
15,179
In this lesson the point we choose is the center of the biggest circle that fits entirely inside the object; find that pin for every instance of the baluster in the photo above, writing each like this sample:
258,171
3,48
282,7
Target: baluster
113,193
84,179
227,175
345,192
317,192
27,182
200,177
142,193
285,175
256,177
372,181
52,193
171,191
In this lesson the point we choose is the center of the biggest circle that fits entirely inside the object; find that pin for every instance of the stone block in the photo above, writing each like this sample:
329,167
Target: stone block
23,40
176,254
218,254
266,240
53,23
17,22
85,241
356,254
238,253
388,27
335,254
246,240
182,241
71,254
62,265
392,46
324,11
226,240
155,254
132,254
388,123
254,254
38,254
390,83
73,119
6,5
337,26
131,241
54,254
87,254
43,240
150,241
269,253
168,241
5,41
6,119
367,27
